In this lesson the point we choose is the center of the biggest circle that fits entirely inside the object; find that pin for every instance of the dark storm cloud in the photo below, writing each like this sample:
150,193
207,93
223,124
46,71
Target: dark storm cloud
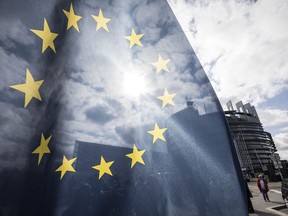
99,115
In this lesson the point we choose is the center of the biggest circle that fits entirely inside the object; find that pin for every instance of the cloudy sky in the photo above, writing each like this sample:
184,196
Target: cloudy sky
99,88
243,47
96,88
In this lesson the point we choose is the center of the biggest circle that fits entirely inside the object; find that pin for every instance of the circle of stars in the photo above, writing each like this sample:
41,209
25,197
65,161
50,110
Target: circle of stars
31,90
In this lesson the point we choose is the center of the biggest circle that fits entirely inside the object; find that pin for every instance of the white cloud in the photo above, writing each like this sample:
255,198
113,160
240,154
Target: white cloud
273,117
11,73
285,129
242,46
14,30
281,141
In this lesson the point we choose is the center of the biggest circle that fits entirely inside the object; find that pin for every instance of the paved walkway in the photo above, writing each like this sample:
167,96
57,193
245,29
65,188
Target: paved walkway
268,208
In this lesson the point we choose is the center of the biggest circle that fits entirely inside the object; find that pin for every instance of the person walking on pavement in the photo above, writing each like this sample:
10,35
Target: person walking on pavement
263,187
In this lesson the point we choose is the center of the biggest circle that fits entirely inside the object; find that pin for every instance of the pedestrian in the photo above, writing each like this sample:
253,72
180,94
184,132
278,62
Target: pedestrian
263,187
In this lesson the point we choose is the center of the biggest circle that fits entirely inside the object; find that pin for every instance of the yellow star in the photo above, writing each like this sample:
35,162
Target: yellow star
72,18
101,21
134,38
66,166
161,64
103,167
167,98
42,148
30,88
157,133
136,156
47,36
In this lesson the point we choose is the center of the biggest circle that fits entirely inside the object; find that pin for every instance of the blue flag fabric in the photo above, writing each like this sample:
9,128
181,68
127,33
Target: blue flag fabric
106,110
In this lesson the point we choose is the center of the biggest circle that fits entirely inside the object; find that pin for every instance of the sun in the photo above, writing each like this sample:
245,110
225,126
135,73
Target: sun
134,85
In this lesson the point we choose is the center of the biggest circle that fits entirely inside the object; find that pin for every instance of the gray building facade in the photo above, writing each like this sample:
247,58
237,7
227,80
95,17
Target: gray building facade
255,147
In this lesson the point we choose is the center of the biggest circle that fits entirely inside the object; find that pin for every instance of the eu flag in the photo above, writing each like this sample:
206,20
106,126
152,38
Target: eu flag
106,110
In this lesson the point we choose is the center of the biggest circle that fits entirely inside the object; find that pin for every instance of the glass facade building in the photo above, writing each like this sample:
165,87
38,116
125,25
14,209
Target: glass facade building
255,147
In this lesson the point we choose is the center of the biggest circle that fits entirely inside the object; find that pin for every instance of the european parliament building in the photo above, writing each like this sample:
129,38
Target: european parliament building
255,147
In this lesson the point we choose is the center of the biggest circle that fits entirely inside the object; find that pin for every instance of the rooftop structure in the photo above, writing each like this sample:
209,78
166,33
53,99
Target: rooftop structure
255,147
